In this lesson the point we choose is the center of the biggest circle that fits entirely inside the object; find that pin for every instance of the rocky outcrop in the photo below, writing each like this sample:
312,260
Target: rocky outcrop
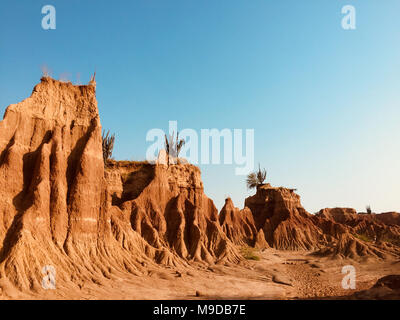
386,288
389,218
167,206
348,215
52,181
370,227
338,232
339,215
285,223
239,226
60,208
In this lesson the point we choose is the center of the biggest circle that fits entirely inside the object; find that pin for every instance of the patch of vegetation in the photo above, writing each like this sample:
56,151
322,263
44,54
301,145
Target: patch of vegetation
108,146
256,179
173,146
249,253
129,162
363,237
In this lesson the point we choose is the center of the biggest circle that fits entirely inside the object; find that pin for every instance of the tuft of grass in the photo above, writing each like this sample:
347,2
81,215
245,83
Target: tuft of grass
249,253
363,237
45,71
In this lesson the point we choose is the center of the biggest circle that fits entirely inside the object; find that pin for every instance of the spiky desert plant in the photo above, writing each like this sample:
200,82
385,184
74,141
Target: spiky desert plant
261,175
257,178
251,180
108,145
173,145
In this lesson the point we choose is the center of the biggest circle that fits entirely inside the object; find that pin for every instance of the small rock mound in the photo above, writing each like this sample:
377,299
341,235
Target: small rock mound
347,246
239,226
386,288
281,279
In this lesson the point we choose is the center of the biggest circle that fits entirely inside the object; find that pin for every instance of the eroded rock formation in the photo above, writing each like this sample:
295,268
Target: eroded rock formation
338,232
51,176
239,226
285,223
386,288
56,208
60,207
167,206
382,230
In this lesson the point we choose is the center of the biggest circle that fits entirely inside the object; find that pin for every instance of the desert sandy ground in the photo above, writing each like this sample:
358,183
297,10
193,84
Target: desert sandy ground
277,275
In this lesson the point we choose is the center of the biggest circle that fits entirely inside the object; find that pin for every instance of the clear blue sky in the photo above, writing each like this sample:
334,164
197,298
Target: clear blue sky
324,102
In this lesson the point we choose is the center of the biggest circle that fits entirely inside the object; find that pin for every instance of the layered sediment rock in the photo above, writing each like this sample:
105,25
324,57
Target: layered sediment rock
339,215
285,223
60,207
57,208
239,226
338,232
51,177
167,206
380,229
